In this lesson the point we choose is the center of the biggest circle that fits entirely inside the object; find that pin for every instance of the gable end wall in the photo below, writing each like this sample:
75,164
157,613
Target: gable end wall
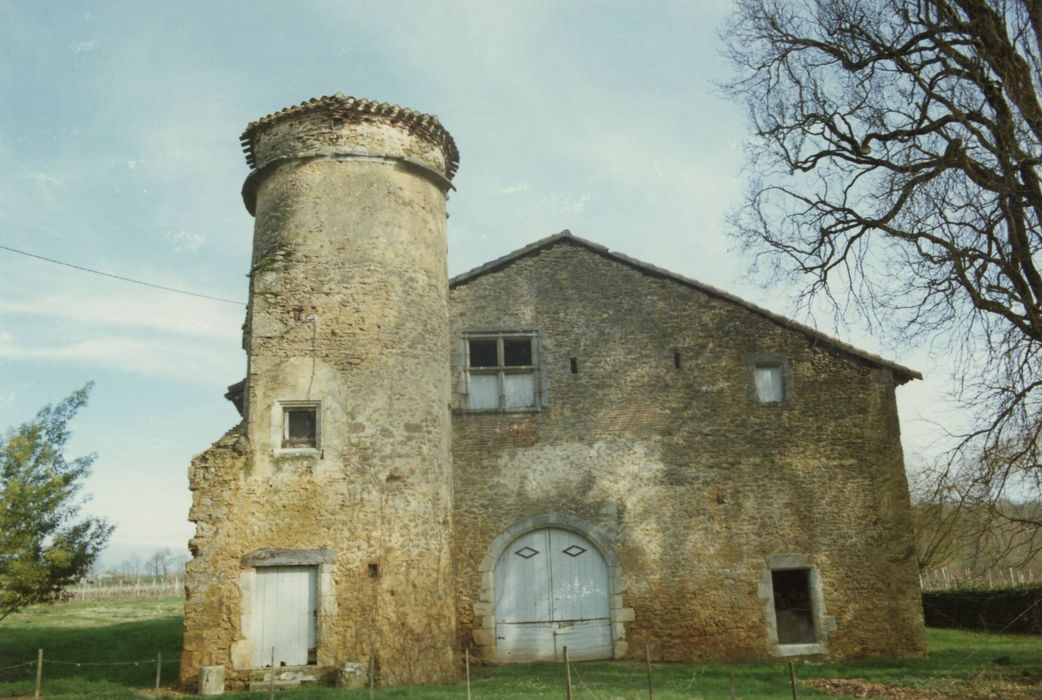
694,485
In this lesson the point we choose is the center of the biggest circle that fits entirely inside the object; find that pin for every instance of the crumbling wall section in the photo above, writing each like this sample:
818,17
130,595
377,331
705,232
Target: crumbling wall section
211,587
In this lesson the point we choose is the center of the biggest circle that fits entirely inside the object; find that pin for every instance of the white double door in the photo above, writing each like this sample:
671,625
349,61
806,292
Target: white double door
284,609
552,591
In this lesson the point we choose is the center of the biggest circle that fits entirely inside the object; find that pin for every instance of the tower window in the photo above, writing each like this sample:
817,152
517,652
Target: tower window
300,425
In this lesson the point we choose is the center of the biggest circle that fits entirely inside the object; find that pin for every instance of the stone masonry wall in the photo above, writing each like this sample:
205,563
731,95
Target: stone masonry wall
692,482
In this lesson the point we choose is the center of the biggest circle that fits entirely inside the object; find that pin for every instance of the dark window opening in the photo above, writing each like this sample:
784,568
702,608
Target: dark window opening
483,353
575,365
793,608
300,427
374,570
517,352
676,360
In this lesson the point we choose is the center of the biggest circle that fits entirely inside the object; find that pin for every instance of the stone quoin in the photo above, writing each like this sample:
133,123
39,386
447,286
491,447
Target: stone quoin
563,447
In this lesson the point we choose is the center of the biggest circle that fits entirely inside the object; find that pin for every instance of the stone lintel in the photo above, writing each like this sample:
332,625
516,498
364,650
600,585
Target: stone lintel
282,556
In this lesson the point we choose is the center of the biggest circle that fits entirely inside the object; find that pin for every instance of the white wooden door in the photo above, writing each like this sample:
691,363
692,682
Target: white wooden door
284,606
552,591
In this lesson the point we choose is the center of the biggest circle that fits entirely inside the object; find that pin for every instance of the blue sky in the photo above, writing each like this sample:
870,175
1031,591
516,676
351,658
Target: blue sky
119,134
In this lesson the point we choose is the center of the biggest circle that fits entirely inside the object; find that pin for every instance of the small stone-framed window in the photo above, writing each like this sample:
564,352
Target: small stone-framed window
770,378
501,371
300,425
795,607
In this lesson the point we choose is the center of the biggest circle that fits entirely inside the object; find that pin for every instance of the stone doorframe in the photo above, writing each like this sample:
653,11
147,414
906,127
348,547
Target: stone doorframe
322,560
484,632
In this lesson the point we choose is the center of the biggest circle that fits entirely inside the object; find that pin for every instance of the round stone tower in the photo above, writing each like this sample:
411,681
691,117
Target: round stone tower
327,540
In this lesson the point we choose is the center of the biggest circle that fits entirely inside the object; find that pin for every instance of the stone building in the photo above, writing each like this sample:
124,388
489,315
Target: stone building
562,447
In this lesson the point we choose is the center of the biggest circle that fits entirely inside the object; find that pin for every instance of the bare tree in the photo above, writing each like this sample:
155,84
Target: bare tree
896,156
131,567
159,563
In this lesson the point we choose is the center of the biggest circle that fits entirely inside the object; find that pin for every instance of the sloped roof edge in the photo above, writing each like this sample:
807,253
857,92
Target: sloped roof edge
425,125
901,373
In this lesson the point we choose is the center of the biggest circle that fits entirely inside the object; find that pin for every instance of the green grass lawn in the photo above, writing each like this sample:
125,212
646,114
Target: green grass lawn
103,636
99,633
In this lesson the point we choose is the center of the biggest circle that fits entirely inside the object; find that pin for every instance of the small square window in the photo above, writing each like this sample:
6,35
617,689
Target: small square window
501,372
770,378
299,426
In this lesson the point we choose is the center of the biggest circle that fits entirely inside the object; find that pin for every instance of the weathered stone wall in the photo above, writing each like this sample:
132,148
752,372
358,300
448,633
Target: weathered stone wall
348,309
692,482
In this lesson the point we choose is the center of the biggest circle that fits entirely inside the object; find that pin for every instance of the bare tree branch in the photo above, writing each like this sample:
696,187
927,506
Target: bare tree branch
896,151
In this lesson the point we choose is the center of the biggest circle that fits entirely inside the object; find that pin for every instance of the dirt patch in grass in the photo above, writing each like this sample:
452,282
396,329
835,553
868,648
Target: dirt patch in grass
952,690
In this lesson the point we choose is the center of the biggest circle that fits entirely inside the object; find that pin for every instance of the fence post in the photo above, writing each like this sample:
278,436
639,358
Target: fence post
733,696
567,677
792,680
39,672
466,657
271,677
159,667
372,674
647,664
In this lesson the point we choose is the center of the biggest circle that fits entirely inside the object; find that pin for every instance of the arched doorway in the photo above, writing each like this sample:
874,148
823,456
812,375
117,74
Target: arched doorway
551,591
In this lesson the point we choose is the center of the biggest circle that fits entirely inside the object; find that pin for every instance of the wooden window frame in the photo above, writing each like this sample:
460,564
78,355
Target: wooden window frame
501,369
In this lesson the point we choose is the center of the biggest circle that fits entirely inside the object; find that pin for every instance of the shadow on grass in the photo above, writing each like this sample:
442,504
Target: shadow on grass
103,661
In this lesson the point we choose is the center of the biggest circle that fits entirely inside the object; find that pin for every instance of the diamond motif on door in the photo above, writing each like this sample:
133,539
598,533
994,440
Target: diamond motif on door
526,552
574,551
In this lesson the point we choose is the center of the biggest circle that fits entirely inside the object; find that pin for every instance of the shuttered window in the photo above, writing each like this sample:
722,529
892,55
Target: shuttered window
502,372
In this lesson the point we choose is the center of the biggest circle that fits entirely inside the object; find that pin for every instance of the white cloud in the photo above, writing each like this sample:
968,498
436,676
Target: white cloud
563,204
515,189
183,361
185,241
183,316
45,178
83,46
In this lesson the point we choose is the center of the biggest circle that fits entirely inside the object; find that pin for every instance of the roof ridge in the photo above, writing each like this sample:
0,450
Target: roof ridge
567,236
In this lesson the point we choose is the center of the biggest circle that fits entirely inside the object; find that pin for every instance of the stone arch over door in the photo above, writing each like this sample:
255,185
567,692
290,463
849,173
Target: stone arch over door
559,527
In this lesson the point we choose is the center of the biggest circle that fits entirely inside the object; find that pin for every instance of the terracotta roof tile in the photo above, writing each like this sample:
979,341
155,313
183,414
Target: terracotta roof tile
425,125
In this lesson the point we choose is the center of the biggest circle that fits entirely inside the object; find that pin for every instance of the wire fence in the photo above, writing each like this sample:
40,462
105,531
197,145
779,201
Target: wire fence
34,670
584,680
147,587
948,578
